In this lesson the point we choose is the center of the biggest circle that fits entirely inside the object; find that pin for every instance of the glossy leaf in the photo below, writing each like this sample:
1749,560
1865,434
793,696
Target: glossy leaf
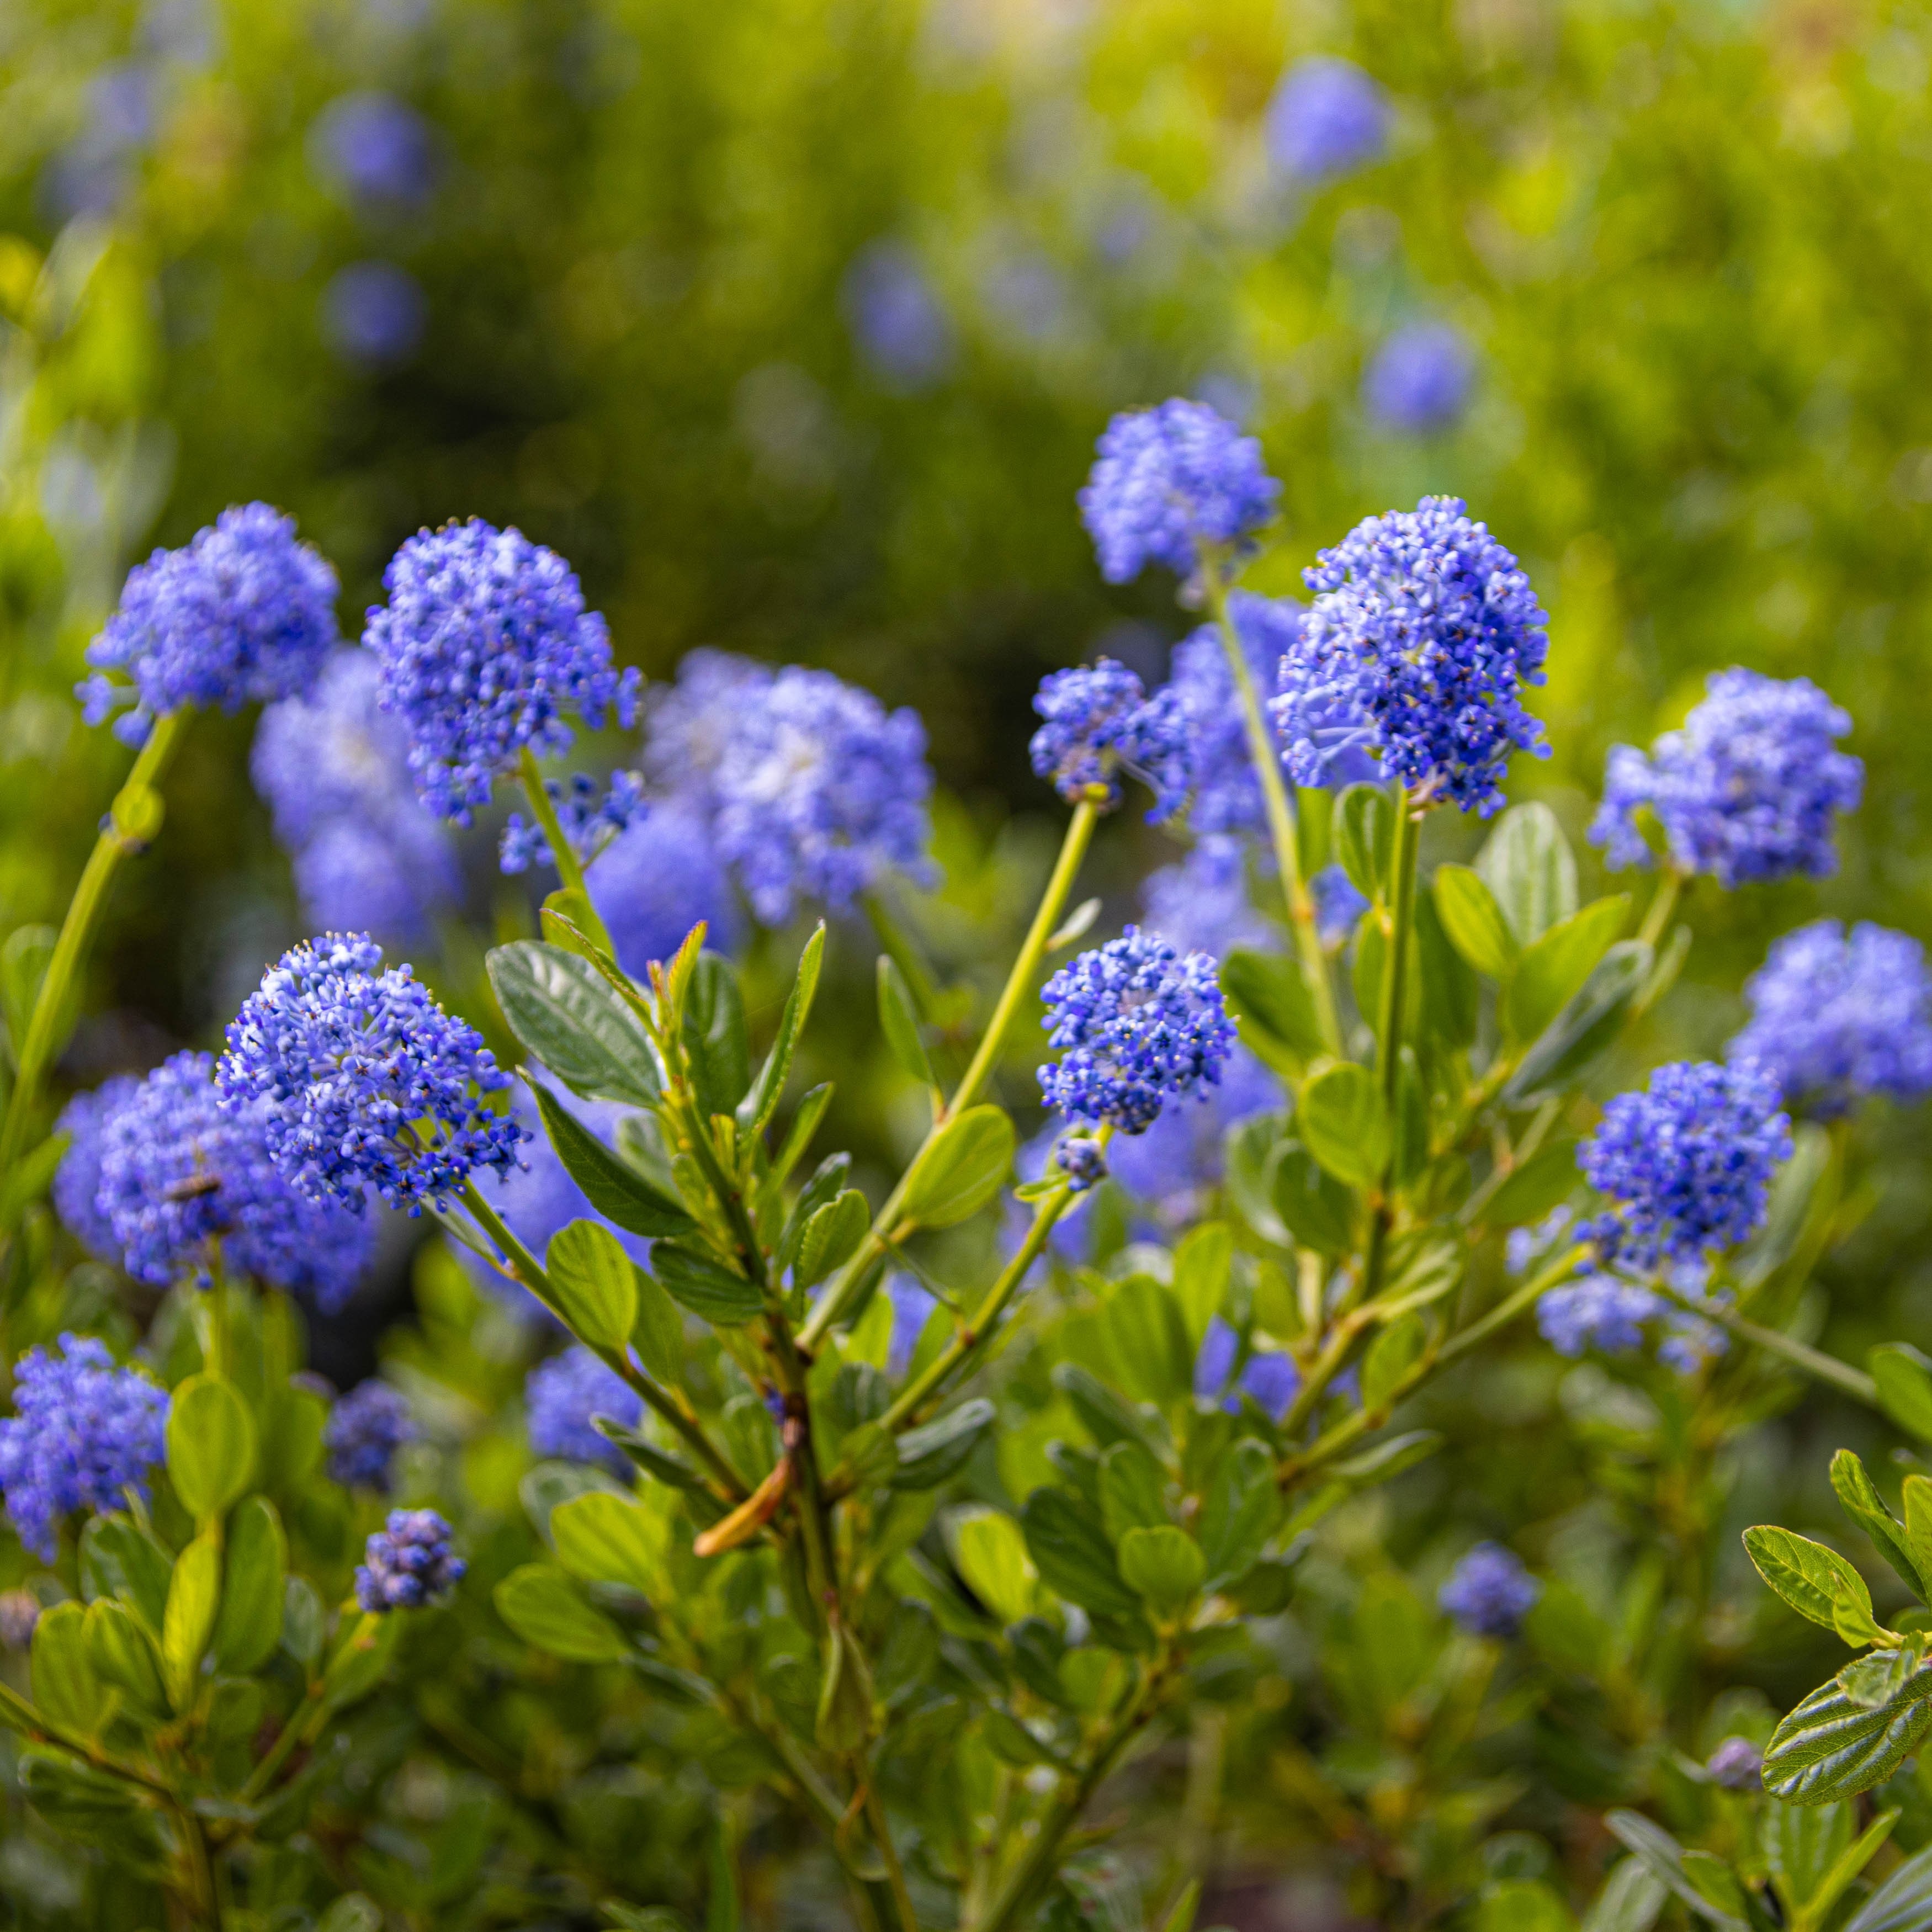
929,1455
991,1552
1816,1581
1831,1746
1473,921
831,1238
1859,1496
1527,864
594,1282
1552,971
962,1169
1394,1352
1904,1378
193,1598
1241,1510
545,1609
657,1333
1133,1491
210,1442
1318,1211
1344,1125
898,1020
1071,1552
1903,1902
1165,1564
755,1111
611,1183
716,1043
574,1022
1202,1265
705,1286
1272,1006
1662,1857
602,1538
1451,999
254,1575
1146,1333
62,1675
1362,832
1584,1027
123,1658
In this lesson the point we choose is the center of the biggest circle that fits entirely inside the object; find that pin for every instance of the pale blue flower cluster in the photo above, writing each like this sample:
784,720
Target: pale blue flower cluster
1419,380
590,819
367,1081
374,148
183,1178
1747,791
1490,1592
1100,722
487,649
82,1435
898,322
912,1305
1227,795
563,1393
1268,1375
1422,636
1327,118
1081,1158
333,767
1201,902
1137,1024
77,1188
1339,906
652,883
243,613
409,1562
1839,1016
1172,1169
1168,480
364,1430
1596,1311
1687,1164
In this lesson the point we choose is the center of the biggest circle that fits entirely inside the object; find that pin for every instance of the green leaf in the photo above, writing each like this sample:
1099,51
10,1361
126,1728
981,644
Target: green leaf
1450,996
1545,1180
657,1333
1388,1459
574,1022
1584,1027
1473,922
828,1181
1147,1335
255,1566
89,1805
211,1439
545,1609
611,1183
1663,1858
962,1169
1527,864
24,960
715,1042
1133,1490
671,1470
755,1111
1632,1897
831,1238
121,1656
1272,1008
1918,1498
193,1597
303,1619
1241,1510
1520,1905
1393,1352
594,1282
1876,1677
1202,1265
929,1455
1363,832
119,1558
1314,1208
1902,1903
990,1553
898,1018
1713,1879
1904,1378
1801,1843
1344,1125
1108,1416
1165,1564
721,1909
1831,1746
1859,1496
1816,1581
1071,1552
63,1683
1181,1919
910,1654
1551,972
603,1537
362,1656
707,1288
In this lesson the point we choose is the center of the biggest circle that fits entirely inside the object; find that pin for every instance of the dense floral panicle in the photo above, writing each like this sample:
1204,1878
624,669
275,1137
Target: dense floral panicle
364,1430
1746,789
373,148
1269,1376
77,1180
1525,1245
1836,1016
1420,379
692,720
590,819
1339,906
391,878
243,613
1687,1164
653,883
563,1393
1082,1159
1168,480
1201,901
367,1081
373,313
912,1305
1171,1170
409,1562
1737,1764
1327,117
1227,795
83,1432
1137,1024
819,791
1490,1592
899,324
1422,635
486,648
1598,1311
182,1175
1099,722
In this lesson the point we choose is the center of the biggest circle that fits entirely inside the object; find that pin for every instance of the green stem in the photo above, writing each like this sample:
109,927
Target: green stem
128,825
217,1311
569,868
1814,1361
875,1814
1265,755
1663,903
844,1290
1402,856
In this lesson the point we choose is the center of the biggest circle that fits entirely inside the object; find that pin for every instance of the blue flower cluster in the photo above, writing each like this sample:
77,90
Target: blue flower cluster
652,883
1268,1376
913,1305
76,1189
1227,795
1137,1025
486,648
1339,906
1737,1764
1172,1169
367,1082
182,1175
1597,1311
1327,117
1101,722
1420,379
334,769
1422,635
82,1434
374,148
1687,1163
243,613
1490,1592
1201,901
590,820
1081,1158
1168,480
409,1562
563,1393
898,325
1836,1016
1746,791
364,1430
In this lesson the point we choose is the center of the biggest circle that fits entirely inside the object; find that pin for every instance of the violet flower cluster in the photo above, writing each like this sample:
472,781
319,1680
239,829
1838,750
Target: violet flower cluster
1269,1377
1327,118
409,1562
363,1433
77,1188
652,883
1099,722
1201,901
561,1396
1490,1592
1418,381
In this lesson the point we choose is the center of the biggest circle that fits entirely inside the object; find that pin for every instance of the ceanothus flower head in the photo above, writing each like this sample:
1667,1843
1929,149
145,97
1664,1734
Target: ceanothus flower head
1419,380
913,1305
182,1176
1227,795
373,148
656,881
1597,1311
690,722
898,322
1269,1376
373,313
590,820
486,649
367,1081
1082,1158
1101,722
408,1563
391,876
1422,633
1201,902
1327,118
1836,1016
1137,1025
1172,1169
82,1434
563,1393
364,1431
77,1180
244,612
1737,1764
1169,479
1687,1164
1490,1592
819,791
1745,790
